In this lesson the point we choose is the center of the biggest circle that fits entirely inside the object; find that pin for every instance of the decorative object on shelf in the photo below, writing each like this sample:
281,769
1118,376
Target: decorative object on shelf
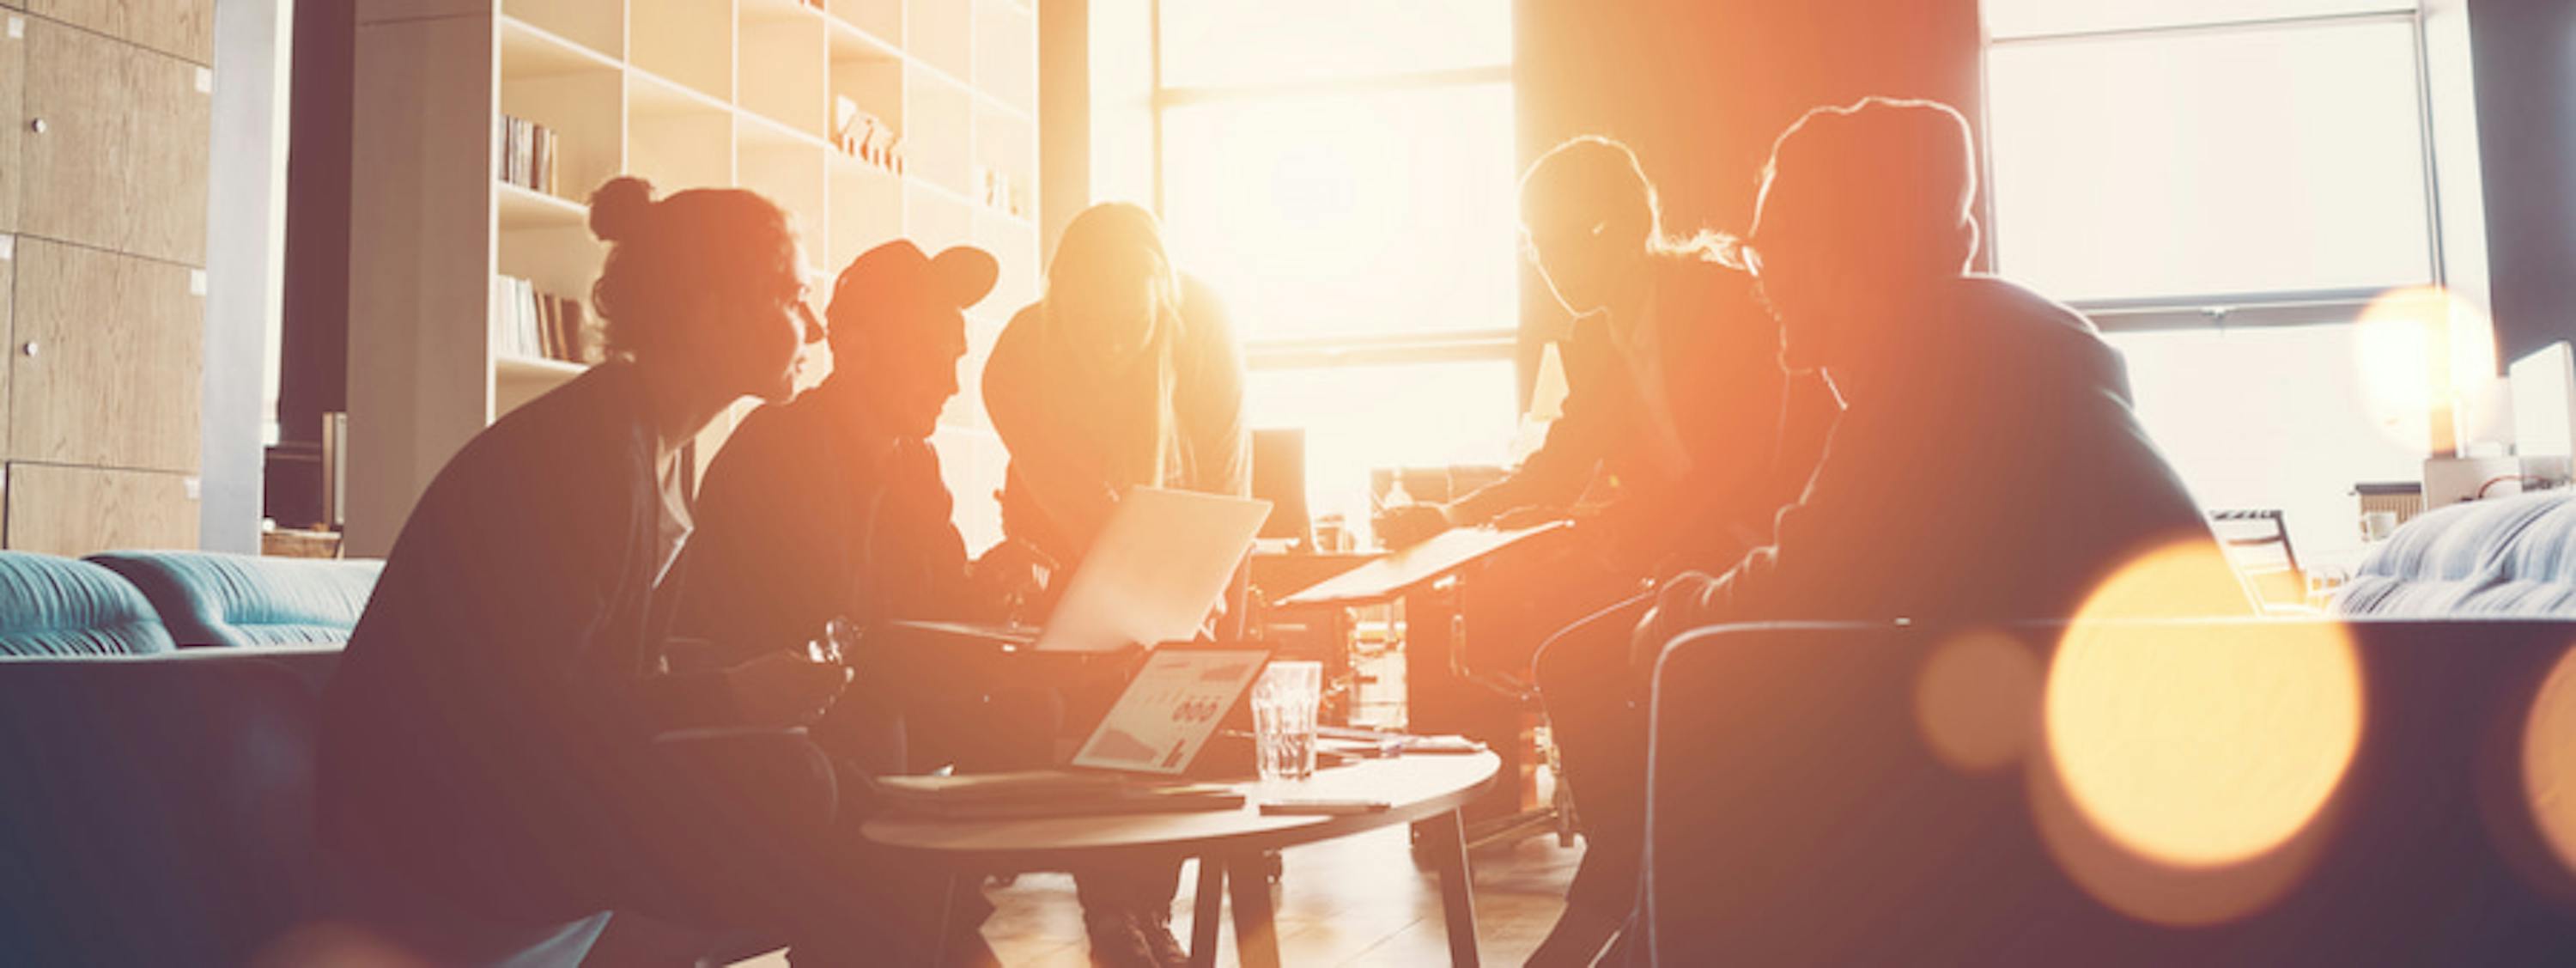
999,191
865,136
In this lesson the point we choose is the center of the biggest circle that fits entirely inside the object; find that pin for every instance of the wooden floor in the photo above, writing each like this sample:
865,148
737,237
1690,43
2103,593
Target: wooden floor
1357,901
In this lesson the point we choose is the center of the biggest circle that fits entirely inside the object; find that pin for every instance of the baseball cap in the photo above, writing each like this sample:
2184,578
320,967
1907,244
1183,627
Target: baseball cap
898,276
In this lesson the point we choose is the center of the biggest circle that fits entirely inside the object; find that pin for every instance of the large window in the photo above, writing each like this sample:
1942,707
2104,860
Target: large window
2225,185
1342,172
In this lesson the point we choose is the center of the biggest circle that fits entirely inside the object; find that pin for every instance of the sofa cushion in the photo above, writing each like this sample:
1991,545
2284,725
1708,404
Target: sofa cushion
242,600
2505,557
52,606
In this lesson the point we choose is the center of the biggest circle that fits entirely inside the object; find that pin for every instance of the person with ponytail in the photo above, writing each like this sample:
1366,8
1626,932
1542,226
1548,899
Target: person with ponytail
1125,373
500,737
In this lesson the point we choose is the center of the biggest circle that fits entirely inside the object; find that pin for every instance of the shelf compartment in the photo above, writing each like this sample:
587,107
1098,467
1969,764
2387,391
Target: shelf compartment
600,27
676,138
1006,54
937,219
688,41
866,209
579,99
1006,164
786,167
870,78
938,126
784,65
880,20
941,33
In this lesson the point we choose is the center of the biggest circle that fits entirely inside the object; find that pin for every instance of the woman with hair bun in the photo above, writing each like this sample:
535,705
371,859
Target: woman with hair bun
496,735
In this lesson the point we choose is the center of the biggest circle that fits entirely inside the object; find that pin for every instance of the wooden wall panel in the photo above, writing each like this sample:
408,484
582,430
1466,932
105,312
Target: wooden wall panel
180,28
117,368
84,510
13,121
8,303
122,162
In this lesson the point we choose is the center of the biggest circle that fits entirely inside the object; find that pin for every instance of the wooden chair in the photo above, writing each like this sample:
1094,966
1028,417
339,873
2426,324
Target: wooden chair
2257,543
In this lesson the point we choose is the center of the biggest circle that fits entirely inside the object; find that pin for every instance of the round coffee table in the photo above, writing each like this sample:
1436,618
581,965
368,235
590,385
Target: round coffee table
1420,789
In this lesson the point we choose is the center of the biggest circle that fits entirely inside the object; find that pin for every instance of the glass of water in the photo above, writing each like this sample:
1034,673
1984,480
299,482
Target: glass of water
1283,719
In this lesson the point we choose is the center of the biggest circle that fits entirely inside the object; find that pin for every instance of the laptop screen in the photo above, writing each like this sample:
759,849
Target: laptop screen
1170,709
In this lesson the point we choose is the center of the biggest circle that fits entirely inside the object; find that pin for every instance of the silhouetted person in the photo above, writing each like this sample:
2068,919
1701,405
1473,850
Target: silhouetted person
491,736
1675,395
1124,374
1986,467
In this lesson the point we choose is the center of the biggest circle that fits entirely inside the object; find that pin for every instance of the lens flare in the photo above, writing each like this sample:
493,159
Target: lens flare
1977,701
2549,760
2190,759
2198,745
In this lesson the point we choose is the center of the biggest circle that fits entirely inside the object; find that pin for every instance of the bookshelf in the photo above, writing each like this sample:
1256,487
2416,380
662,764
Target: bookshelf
685,93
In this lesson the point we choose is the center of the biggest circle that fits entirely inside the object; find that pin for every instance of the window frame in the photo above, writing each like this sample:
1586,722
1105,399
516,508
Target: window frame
2288,307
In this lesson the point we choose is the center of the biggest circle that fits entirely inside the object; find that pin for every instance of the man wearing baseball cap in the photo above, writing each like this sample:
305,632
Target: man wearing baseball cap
831,506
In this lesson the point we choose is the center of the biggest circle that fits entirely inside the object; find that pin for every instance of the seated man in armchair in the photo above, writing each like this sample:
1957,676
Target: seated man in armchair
1987,464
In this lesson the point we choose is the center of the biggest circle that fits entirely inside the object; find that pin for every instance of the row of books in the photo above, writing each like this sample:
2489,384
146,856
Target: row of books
529,152
537,325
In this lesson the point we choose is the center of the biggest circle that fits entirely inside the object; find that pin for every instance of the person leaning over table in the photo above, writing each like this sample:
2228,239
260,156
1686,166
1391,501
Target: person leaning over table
1988,465
1676,402
1124,373
496,735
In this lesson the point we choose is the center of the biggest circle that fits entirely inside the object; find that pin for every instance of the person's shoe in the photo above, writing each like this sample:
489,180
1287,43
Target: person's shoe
1116,942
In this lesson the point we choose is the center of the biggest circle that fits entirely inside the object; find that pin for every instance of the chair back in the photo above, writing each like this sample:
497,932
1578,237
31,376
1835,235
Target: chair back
1881,794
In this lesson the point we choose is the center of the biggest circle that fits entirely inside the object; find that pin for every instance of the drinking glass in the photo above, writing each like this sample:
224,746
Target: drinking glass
1283,719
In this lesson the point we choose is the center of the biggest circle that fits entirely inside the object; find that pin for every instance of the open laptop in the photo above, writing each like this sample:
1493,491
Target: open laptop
1151,577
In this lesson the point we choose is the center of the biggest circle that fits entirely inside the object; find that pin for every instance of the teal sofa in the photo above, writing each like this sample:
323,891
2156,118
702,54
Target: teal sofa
158,713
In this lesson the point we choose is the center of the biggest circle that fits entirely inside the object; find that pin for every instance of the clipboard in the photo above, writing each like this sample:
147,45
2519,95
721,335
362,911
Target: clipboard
1408,568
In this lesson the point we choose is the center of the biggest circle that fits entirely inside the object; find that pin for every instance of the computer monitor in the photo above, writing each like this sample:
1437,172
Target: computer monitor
2544,409
1279,477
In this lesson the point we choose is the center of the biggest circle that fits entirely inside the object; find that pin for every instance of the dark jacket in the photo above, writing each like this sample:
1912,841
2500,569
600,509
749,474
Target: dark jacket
1053,420
508,671
1996,473
1752,433
809,514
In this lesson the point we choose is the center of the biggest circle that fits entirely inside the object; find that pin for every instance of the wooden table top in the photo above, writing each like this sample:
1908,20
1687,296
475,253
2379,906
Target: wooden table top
1414,787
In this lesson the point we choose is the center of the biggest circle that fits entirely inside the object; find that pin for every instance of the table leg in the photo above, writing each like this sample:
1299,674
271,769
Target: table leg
1256,939
1206,908
1446,843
